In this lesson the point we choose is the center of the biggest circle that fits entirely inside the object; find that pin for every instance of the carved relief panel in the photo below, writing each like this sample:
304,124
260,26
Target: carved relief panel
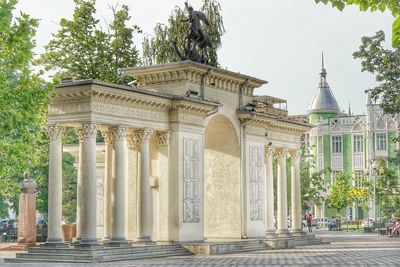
191,180
256,183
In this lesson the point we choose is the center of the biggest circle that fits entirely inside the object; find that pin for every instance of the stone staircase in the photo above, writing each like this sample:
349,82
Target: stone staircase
249,245
307,240
99,254
226,247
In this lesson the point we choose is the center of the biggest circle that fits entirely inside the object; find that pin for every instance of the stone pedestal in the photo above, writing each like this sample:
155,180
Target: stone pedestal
27,219
27,213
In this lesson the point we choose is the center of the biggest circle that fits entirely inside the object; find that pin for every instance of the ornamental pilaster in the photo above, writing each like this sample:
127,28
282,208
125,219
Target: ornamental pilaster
163,138
132,140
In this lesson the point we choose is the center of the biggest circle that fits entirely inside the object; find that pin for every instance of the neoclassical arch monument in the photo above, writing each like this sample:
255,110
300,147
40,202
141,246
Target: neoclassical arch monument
187,156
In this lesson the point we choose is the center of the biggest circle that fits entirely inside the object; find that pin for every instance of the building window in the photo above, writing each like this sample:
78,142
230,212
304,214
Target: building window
320,145
380,141
336,144
358,178
358,143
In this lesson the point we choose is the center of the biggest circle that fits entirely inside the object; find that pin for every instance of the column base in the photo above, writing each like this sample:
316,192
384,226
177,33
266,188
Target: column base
55,242
283,233
88,242
298,232
117,242
144,240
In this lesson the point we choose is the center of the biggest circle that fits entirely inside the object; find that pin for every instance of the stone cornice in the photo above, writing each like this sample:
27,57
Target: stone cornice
192,72
84,96
272,123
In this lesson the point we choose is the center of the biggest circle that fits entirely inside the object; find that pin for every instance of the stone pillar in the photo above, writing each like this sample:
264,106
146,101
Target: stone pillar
131,186
269,192
79,191
27,213
54,236
282,226
118,208
88,173
164,187
296,193
108,176
144,227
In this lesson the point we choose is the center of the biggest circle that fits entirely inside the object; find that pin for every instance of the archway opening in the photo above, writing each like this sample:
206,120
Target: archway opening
221,180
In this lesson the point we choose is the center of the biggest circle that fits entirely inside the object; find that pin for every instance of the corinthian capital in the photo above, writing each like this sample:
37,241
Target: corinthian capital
118,133
89,129
79,133
144,135
295,154
280,153
269,150
163,138
55,132
133,140
108,138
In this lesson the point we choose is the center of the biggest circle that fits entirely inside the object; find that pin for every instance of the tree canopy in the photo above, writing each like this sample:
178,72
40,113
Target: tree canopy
384,63
339,196
374,5
23,102
82,50
158,49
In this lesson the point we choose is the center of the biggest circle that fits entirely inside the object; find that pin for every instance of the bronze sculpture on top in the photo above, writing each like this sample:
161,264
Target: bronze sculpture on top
196,41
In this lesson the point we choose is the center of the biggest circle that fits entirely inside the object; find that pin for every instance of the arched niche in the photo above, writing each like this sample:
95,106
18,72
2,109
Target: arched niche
221,180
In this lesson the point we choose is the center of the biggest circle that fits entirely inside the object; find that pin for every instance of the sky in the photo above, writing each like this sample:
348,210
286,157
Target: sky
276,40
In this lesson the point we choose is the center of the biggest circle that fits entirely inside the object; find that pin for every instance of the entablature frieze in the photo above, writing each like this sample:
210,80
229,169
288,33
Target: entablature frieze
192,72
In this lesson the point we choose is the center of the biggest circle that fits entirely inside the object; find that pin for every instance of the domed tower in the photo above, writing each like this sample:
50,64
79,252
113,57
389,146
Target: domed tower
324,104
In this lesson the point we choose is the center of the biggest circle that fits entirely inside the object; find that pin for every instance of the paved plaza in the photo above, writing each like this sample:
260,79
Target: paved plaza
345,249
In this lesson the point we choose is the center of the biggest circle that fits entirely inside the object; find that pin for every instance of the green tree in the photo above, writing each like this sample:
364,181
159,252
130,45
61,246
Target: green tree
312,182
158,49
339,196
23,103
374,5
388,190
384,63
82,50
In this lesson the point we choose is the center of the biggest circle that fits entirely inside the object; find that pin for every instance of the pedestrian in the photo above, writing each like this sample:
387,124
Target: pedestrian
309,221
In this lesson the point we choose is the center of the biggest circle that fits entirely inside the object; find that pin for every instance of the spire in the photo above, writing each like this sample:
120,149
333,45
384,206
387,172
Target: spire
324,101
349,109
323,72
369,100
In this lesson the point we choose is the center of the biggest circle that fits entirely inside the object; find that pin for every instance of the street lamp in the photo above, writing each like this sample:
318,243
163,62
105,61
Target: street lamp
373,172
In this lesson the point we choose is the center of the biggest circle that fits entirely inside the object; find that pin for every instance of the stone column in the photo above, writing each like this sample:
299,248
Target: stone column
118,207
79,191
108,176
269,192
164,188
282,226
88,173
54,236
296,193
144,228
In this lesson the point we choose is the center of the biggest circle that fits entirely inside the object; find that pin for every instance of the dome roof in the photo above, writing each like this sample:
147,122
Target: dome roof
324,101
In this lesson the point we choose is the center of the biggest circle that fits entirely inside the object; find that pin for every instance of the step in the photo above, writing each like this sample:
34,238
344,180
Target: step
149,252
74,257
30,260
145,256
